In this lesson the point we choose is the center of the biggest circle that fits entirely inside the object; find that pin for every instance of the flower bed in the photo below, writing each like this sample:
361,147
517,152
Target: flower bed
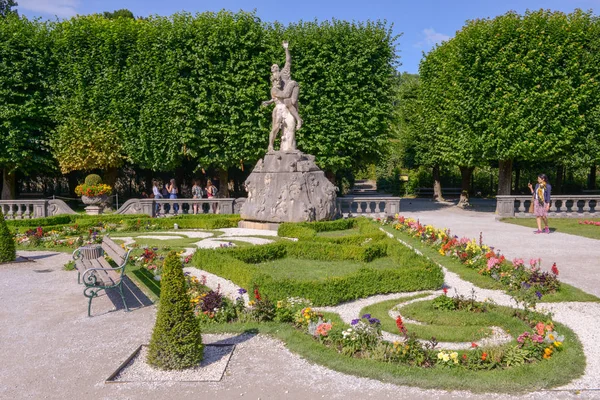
526,282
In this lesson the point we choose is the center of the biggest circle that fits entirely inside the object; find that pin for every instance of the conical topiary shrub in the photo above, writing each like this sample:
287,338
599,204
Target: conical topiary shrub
8,250
176,340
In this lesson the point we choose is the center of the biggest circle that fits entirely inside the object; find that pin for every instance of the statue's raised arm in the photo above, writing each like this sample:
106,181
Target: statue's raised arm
287,68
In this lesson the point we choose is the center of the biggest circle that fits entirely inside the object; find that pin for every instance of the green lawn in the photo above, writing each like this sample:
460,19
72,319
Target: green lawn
447,326
308,270
562,225
567,292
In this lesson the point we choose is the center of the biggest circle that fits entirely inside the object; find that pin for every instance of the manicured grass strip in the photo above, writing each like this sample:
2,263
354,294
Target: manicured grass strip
144,279
559,370
567,292
562,225
460,325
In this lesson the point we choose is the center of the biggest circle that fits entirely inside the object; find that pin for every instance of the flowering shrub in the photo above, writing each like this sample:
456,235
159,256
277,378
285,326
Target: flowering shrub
589,222
363,335
288,310
100,189
519,279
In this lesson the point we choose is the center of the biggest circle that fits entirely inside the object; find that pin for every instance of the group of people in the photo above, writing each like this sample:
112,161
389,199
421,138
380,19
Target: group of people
170,191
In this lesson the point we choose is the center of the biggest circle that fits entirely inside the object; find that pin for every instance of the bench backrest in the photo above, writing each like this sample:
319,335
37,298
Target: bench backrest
114,251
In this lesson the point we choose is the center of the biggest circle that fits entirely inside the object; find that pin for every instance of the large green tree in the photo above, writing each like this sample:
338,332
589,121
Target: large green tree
515,88
24,120
90,54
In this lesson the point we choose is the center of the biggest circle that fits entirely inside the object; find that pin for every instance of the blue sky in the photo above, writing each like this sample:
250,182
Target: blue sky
422,23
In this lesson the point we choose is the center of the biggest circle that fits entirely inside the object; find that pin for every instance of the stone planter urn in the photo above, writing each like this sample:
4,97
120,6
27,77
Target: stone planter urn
94,200
95,204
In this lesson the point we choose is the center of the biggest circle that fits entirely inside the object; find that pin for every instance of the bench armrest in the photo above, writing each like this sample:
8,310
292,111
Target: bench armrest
89,278
77,254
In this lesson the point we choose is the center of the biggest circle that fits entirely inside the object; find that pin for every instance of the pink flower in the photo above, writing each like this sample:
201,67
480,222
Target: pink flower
518,262
540,328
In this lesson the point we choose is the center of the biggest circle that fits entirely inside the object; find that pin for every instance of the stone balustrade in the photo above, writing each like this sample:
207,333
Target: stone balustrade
156,207
367,205
561,206
353,205
27,209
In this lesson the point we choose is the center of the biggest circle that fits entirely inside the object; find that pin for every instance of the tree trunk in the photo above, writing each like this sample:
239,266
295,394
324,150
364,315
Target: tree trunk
437,185
592,178
557,187
223,183
9,182
110,178
517,178
465,174
71,181
504,177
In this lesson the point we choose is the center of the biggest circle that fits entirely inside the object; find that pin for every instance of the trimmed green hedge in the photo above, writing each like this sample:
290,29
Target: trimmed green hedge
407,272
7,243
130,221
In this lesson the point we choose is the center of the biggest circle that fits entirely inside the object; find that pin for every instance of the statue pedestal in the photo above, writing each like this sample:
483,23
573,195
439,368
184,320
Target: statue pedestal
288,187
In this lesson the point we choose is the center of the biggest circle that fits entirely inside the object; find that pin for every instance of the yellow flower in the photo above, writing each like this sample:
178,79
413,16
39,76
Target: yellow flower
251,303
547,352
557,344
279,304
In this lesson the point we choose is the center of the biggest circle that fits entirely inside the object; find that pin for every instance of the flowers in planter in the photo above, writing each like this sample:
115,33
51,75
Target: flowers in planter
589,222
93,190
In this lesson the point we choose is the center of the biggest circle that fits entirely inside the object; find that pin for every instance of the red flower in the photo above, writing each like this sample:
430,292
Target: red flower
400,325
464,356
473,344
256,294
484,356
445,290
554,269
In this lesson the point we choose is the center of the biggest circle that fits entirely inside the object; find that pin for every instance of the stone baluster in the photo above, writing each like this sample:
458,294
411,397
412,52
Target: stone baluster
563,206
586,207
521,205
10,214
19,214
553,205
28,211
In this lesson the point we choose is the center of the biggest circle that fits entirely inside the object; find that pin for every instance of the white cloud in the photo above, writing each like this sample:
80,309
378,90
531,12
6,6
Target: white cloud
60,8
431,38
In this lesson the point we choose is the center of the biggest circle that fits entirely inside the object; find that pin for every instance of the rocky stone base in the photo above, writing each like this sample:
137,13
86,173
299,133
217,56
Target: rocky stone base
288,187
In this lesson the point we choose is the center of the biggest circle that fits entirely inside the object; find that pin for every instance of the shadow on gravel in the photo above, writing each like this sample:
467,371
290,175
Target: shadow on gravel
40,256
134,297
240,338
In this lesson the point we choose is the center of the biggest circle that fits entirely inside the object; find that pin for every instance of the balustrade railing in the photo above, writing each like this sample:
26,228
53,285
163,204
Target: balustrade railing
27,209
167,207
561,206
363,205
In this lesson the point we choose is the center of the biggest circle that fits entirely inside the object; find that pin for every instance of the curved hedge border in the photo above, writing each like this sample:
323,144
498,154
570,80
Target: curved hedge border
407,271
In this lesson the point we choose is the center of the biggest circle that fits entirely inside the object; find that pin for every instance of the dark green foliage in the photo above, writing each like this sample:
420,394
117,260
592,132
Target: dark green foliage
176,340
122,13
6,7
7,242
24,75
93,179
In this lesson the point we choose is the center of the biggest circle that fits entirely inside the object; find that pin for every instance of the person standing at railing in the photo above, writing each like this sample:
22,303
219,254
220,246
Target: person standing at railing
196,194
541,202
172,189
211,192
157,195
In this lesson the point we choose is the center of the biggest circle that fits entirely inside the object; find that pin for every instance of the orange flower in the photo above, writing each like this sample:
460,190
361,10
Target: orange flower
484,356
